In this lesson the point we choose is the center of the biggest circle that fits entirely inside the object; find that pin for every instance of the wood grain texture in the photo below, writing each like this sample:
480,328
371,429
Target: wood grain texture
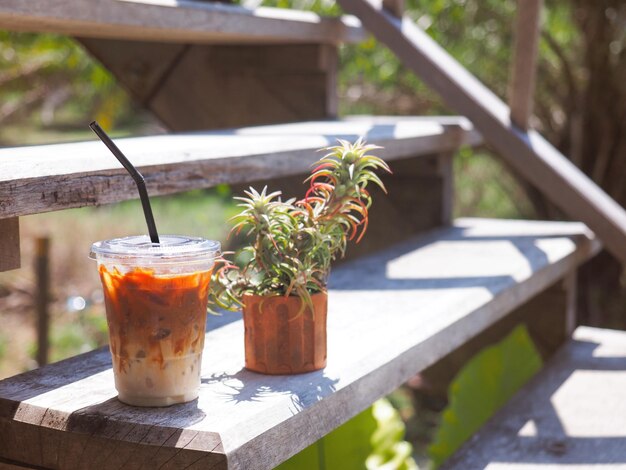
217,87
528,153
139,66
571,415
9,244
54,177
389,316
172,21
194,87
524,69
545,317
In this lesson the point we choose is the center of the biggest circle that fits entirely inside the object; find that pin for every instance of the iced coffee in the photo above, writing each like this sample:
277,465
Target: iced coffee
156,299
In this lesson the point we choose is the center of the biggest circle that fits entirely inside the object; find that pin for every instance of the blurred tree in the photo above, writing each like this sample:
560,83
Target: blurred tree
594,134
42,75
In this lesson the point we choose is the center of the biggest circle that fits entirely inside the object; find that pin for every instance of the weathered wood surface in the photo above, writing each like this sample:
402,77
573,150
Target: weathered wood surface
9,243
53,177
545,316
197,87
242,87
571,415
528,153
176,21
524,69
390,316
42,297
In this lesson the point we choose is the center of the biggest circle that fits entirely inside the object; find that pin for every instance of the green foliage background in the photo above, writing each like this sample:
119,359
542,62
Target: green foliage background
372,440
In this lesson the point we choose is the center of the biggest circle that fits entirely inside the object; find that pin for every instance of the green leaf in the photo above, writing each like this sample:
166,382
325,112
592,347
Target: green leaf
373,439
345,448
391,451
486,382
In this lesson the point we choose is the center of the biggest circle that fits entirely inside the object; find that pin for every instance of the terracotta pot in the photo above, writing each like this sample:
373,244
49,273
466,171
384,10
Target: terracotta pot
282,339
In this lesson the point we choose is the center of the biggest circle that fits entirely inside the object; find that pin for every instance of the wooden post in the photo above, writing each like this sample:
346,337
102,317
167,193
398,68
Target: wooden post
42,296
9,244
570,287
523,72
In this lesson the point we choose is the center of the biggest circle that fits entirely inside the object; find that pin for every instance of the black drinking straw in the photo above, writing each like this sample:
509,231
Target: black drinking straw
141,183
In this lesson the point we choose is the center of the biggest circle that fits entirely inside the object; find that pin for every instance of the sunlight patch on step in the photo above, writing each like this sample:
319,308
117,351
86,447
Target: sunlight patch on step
587,404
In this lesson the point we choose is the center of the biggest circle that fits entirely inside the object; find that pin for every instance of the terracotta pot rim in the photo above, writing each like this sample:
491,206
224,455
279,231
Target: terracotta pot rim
324,292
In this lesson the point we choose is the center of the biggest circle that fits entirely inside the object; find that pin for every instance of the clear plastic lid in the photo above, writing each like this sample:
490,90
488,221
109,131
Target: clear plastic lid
171,248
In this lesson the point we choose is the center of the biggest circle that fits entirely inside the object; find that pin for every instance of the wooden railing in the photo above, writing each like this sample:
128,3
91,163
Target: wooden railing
524,70
504,128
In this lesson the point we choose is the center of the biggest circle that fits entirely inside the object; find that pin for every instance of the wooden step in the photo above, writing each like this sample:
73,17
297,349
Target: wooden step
390,315
172,21
61,176
571,415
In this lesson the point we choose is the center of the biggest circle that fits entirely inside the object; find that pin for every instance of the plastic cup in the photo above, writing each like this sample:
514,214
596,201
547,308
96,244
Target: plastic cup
156,299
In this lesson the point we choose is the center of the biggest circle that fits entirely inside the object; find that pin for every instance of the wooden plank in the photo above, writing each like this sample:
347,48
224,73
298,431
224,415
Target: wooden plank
528,153
570,415
192,87
54,177
217,87
172,21
545,316
138,66
9,243
390,315
524,69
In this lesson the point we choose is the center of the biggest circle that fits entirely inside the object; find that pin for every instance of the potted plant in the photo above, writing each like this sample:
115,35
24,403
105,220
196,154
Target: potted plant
279,279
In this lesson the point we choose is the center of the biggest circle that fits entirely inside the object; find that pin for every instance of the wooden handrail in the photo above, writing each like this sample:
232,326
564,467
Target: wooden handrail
532,156
523,71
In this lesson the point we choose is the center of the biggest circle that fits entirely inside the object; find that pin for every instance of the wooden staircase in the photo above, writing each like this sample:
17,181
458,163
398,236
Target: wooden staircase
571,415
391,314
250,94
